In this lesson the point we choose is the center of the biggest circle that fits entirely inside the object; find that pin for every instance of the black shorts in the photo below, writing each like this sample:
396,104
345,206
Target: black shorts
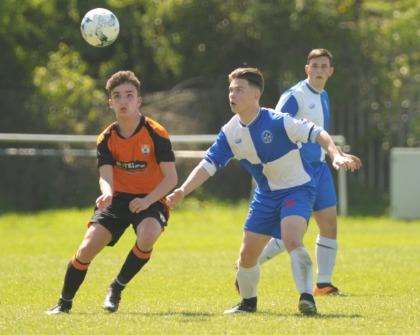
117,217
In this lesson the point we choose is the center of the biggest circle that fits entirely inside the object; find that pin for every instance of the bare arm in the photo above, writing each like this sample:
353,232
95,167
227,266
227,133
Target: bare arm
195,179
168,182
216,157
305,131
106,184
337,158
325,141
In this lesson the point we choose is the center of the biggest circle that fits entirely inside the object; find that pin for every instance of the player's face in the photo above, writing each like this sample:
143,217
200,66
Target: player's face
319,70
242,95
124,100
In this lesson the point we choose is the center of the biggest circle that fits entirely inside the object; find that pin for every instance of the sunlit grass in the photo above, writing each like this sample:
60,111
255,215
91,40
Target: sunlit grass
188,283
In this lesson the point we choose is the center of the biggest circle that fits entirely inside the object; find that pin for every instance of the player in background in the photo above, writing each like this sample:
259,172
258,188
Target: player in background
309,100
265,143
137,169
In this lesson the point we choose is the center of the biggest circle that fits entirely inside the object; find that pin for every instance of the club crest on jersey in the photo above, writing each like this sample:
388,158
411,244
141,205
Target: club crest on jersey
312,106
238,140
267,136
145,149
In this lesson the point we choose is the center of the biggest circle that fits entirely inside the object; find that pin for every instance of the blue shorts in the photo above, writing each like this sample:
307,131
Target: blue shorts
325,195
268,209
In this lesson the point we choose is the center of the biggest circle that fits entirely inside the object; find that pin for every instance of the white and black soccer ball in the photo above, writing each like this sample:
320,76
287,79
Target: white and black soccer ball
100,27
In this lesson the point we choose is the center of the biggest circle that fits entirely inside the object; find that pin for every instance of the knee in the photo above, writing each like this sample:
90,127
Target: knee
145,244
328,228
247,260
148,231
292,244
85,253
327,221
146,240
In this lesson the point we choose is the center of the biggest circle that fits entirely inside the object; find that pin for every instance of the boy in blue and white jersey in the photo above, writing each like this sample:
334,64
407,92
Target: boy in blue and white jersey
308,100
266,145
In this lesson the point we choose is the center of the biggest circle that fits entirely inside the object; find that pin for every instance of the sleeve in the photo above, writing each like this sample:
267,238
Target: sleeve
287,104
161,141
218,155
163,149
103,153
301,130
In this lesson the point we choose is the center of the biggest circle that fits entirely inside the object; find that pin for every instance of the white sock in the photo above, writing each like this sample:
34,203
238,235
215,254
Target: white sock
248,280
302,270
272,249
326,252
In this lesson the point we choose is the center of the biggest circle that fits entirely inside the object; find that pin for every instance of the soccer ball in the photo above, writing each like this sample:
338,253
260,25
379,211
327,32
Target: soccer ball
100,27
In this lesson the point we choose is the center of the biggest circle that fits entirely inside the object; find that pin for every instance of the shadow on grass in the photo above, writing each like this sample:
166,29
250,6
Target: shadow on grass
183,314
204,316
173,313
332,316
317,316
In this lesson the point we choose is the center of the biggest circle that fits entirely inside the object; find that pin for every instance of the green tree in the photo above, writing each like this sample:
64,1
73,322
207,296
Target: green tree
71,101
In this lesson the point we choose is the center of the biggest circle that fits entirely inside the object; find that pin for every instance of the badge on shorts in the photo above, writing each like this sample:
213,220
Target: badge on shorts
162,217
290,203
145,149
267,136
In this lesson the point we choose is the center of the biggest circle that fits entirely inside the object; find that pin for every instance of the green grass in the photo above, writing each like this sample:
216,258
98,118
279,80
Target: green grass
188,283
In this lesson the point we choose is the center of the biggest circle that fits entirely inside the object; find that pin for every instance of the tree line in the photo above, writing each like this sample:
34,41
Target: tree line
52,81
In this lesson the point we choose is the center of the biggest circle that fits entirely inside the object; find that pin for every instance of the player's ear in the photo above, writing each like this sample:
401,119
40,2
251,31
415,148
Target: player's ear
140,101
306,69
109,102
257,94
331,70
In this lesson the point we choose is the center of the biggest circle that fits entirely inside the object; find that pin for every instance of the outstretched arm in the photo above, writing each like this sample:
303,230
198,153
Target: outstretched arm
195,179
305,131
338,159
216,157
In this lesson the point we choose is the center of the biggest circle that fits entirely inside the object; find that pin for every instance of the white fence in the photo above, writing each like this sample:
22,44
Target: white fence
91,139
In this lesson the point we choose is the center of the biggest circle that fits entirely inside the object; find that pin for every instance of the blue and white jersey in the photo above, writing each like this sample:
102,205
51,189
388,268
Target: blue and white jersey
303,102
267,148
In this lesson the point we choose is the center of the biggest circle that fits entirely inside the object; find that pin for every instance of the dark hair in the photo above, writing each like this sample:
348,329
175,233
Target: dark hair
251,74
315,53
122,77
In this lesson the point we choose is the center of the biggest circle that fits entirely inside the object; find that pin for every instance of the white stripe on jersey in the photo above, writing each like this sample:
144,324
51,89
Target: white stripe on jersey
240,141
267,148
310,106
292,171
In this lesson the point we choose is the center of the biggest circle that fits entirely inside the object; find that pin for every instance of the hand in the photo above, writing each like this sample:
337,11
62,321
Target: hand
348,162
175,198
139,204
357,161
103,201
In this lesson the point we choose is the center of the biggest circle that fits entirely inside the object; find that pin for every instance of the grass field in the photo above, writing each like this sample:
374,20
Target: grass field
188,283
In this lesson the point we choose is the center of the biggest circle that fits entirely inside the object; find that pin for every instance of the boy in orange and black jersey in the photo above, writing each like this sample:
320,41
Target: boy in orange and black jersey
137,169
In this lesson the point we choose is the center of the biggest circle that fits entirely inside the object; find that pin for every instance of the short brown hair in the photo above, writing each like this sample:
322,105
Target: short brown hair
122,77
251,74
315,53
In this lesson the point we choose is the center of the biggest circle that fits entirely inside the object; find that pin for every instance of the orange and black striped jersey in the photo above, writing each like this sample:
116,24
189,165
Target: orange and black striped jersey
136,159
